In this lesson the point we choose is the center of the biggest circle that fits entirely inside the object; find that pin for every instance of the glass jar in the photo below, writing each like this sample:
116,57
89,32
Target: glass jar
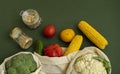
21,38
31,18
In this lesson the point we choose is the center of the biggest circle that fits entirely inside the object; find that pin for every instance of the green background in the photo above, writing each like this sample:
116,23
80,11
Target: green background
104,15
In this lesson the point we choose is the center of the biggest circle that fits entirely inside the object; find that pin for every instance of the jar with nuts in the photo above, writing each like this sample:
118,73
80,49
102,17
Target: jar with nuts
31,18
21,38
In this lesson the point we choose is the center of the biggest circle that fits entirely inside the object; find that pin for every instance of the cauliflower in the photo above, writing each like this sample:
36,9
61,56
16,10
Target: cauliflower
86,64
90,60
21,64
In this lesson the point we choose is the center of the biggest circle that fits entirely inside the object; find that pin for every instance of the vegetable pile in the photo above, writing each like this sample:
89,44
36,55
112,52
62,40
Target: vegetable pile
25,64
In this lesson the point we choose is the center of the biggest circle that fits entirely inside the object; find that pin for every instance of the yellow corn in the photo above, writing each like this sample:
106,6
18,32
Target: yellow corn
92,34
74,45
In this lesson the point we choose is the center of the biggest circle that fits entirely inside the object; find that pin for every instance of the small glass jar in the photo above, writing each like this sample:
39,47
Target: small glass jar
31,18
21,38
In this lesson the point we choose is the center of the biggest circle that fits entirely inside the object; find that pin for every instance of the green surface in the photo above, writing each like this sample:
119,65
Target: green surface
104,15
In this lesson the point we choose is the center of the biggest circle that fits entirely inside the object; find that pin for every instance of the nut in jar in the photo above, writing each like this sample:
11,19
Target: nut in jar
31,18
21,38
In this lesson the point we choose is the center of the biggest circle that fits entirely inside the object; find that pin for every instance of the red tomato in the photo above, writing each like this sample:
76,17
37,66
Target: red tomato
53,50
49,30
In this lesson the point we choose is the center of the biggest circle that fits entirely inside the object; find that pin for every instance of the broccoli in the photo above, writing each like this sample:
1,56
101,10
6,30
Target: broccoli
21,64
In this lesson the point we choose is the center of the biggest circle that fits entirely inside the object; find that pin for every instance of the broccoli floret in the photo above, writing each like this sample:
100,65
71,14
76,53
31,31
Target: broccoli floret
16,63
11,71
33,66
28,63
19,57
28,57
8,64
23,69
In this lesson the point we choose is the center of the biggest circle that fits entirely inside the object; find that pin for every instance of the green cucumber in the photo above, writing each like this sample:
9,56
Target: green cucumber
39,47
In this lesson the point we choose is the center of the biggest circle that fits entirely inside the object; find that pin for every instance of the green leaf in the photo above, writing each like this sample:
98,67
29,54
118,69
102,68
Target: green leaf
78,59
105,62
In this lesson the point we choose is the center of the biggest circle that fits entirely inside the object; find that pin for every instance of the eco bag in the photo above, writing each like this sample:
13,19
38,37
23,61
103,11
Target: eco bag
86,50
38,71
55,65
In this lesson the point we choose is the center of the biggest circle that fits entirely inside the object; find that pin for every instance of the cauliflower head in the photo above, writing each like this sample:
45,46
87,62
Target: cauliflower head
86,64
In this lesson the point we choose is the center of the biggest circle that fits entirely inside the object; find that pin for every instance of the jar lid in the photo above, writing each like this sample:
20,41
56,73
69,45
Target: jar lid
30,16
15,32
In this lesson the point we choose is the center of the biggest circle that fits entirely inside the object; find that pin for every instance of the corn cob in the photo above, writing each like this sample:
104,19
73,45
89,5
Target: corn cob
93,35
74,45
